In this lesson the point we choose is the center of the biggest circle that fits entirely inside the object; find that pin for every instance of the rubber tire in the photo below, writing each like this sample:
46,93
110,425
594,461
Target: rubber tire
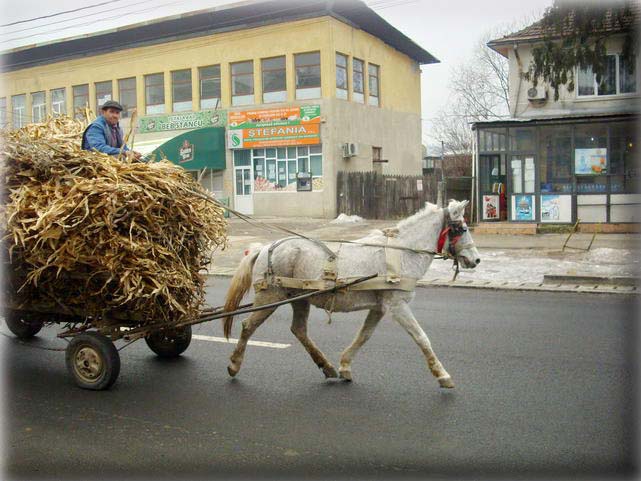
21,326
170,344
106,352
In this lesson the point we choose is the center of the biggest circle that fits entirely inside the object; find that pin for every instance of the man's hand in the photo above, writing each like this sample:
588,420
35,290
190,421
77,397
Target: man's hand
132,155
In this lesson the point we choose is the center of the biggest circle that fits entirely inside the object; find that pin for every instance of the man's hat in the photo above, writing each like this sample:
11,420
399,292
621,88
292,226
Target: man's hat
111,104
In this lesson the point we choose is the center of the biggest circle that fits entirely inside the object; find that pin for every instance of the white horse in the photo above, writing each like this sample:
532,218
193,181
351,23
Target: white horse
301,258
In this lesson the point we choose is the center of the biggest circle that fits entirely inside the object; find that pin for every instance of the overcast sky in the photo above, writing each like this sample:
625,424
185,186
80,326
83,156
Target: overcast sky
448,29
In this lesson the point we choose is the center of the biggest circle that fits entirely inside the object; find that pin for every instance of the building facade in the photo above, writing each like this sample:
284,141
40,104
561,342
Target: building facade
566,160
271,98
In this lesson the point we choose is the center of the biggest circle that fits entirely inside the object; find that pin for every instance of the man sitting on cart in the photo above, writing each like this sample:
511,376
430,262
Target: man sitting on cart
105,134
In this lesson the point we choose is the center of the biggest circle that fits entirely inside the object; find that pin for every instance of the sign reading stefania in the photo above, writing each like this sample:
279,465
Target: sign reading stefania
190,120
274,127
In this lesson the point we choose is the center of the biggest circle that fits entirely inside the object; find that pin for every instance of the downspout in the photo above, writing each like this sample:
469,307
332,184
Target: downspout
518,88
474,214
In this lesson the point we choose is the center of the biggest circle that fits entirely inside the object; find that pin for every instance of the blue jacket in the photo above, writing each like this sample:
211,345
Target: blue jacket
97,136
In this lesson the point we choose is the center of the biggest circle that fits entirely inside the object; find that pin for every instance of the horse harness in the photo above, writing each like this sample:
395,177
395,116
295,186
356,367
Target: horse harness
392,280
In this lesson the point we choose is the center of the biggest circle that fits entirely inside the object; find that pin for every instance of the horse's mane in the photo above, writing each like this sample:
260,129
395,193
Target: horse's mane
421,216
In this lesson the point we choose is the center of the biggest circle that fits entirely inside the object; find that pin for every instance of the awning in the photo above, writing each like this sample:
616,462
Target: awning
147,146
197,149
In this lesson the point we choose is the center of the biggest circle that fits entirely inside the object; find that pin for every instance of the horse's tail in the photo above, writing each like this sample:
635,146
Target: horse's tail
240,284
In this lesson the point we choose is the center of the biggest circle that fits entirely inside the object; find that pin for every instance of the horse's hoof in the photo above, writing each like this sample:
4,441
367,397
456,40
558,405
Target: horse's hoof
232,371
446,382
329,372
346,376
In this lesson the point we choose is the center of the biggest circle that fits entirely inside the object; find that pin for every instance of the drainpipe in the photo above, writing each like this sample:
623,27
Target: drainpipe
518,88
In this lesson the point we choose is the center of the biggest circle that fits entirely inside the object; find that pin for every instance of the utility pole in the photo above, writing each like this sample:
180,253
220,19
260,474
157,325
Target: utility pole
440,190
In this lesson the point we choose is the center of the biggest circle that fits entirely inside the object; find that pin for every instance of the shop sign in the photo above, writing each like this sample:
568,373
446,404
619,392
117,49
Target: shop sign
186,151
523,207
590,161
185,121
556,208
274,127
490,207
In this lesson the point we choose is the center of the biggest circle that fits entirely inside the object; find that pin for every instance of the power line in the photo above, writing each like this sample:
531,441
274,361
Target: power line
72,18
59,13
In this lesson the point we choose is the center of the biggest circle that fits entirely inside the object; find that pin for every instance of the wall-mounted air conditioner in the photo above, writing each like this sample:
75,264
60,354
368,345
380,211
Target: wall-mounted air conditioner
350,149
537,94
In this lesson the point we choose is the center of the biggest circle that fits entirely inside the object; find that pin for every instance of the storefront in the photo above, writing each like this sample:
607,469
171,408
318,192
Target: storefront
559,170
275,151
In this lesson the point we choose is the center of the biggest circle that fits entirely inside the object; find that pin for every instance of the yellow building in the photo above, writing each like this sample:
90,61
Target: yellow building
270,98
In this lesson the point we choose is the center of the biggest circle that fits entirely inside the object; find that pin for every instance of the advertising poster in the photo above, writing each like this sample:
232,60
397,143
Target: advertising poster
523,207
556,208
490,207
274,127
590,161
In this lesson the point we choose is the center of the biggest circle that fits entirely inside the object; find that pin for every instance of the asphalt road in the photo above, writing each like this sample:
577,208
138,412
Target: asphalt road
545,386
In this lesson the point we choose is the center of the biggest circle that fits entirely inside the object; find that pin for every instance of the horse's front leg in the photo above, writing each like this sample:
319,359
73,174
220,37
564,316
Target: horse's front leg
299,329
249,326
402,314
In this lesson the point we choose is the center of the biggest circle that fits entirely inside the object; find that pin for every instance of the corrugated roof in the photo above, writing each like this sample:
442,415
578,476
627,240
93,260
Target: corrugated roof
537,31
206,22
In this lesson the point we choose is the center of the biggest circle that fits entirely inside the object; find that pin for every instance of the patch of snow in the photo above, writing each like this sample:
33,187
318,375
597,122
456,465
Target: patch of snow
347,219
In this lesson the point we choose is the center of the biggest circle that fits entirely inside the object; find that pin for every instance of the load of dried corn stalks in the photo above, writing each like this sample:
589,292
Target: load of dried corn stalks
92,233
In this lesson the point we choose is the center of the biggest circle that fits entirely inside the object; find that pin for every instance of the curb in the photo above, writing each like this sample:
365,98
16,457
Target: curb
593,280
500,285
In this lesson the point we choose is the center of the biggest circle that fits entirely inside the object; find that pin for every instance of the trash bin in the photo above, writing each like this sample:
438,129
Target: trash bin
225,201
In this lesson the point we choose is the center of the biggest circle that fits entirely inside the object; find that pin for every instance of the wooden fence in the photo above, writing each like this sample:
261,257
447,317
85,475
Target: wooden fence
375,196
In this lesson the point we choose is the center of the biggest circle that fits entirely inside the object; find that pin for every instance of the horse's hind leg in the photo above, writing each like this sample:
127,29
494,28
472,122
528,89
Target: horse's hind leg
402,313
361,338
299,329
249,326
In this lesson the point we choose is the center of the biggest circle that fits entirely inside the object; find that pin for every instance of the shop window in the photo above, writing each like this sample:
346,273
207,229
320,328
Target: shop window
276,169
522,174
619,77
3,112
19,110
493,140
181,90
80,100
590,157
127,96
274,79
242,158
209,87
374,84
308,75
623,160
155,93
358,80
242,83
342,85
58,102
555,159
38,107
522,139
104,92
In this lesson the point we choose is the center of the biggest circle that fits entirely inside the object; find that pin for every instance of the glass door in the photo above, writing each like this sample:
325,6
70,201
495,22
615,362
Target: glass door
522,188
243,199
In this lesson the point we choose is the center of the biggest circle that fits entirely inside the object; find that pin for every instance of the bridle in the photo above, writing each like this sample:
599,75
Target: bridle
451,234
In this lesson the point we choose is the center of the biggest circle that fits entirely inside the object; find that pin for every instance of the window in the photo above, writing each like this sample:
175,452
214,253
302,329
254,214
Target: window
308,75
104,92
155,93
555,159
127,96
357,80
624,158
80,100
38,107
374,83
209,87
618,78
274,79
590,157
242,83
58,102
522,139
341,76
3,112
181,90
18,110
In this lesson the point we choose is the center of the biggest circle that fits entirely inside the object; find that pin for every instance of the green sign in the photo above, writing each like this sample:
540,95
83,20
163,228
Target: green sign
197,149
187,120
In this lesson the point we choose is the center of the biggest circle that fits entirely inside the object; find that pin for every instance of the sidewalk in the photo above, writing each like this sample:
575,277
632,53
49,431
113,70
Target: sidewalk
507,261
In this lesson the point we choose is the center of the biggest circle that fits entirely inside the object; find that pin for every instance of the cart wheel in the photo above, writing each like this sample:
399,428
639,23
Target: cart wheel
170,343
22,325
93,361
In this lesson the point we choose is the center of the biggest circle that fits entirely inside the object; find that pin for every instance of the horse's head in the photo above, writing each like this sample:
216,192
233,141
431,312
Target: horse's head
459,240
